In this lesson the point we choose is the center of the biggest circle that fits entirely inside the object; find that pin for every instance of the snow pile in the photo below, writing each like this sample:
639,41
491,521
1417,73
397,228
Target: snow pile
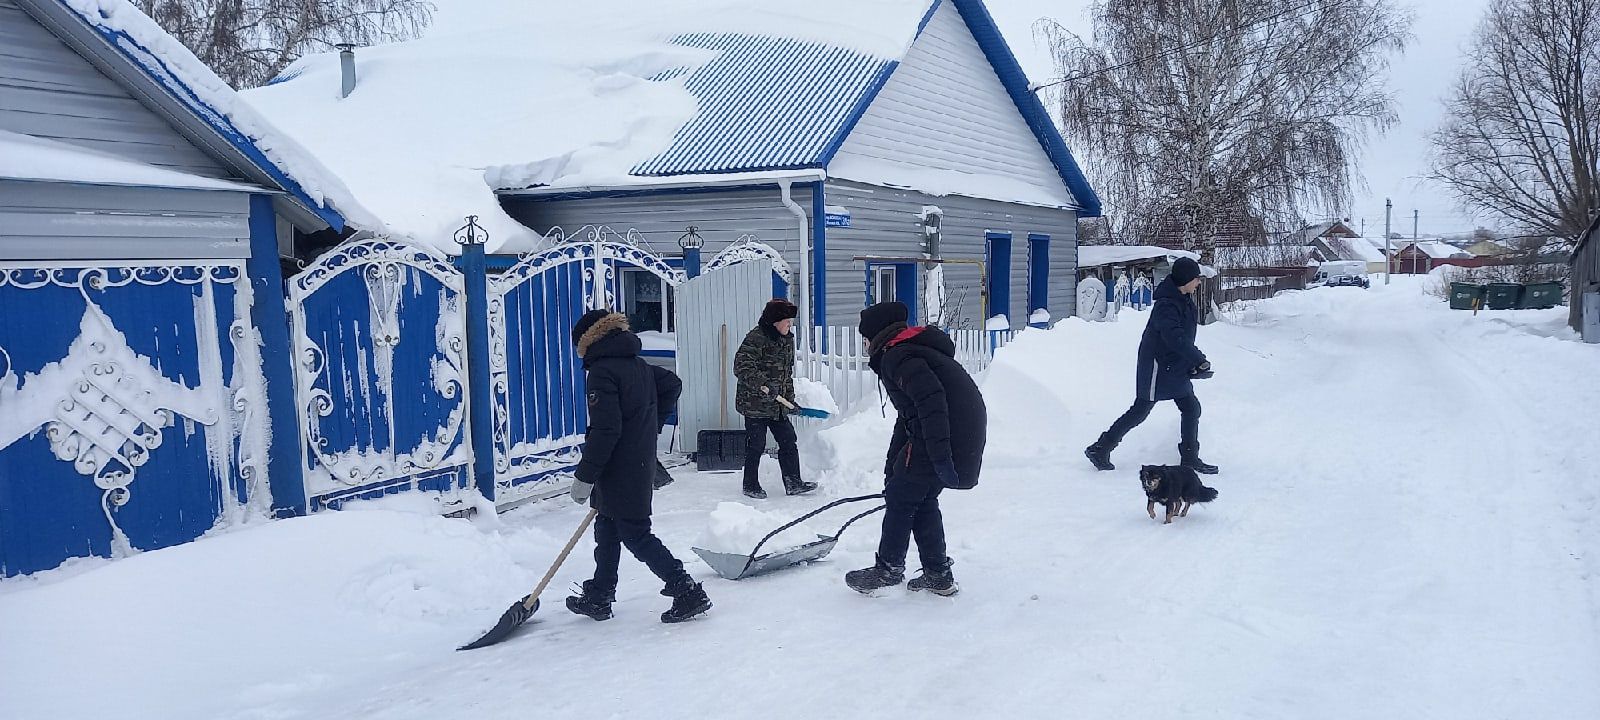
183,73
736,528
507,93
1336,573
809,393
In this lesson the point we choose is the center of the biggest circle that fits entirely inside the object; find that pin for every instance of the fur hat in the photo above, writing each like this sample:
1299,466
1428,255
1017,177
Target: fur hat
874,319
1185,270
587,321
778,309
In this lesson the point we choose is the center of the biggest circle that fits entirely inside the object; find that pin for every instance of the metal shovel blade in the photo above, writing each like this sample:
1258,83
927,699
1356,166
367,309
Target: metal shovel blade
737,567
510,620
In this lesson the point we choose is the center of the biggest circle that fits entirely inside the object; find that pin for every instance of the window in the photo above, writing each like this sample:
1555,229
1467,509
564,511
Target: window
884,281
647,300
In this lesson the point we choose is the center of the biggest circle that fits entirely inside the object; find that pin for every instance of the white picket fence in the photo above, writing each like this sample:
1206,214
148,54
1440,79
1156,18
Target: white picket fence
837,357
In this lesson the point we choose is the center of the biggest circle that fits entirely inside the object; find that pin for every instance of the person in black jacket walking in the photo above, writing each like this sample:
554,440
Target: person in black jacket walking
1169,362
629,401
937,443
764,366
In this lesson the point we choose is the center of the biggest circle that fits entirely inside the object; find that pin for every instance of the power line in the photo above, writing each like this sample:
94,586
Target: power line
1189,46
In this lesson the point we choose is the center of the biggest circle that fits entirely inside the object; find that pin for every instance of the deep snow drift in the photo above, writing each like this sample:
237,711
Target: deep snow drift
1407,528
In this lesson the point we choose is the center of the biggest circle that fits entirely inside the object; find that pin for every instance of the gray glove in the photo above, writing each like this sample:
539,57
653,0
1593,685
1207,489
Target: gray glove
581,491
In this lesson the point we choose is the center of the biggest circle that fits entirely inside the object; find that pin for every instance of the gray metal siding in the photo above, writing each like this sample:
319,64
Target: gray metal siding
64,221
1585,275
48,90
885,221
721,217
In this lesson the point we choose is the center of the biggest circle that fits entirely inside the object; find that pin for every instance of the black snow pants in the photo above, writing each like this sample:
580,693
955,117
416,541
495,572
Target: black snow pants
913,510
611,534
755,445
1190,424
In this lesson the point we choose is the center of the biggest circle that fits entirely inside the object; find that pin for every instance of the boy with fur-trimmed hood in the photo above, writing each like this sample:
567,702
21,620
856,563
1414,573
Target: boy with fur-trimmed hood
629,401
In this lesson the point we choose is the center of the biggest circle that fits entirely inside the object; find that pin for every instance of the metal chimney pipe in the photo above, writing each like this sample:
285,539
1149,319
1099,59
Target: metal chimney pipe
347,68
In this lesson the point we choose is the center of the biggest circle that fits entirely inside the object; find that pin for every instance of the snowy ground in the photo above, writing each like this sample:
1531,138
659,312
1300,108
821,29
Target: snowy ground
1407,528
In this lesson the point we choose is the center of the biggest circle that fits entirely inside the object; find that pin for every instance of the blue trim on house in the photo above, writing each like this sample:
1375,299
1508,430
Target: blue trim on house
997,260
480,424
519,195
1038,273
927,17
270,316
163,77
1005,64
819,256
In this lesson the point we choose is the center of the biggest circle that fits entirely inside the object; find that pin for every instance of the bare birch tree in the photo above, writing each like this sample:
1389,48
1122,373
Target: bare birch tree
1206,111
1521,138
249,42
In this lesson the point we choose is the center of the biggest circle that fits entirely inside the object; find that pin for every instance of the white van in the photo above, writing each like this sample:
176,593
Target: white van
1342,272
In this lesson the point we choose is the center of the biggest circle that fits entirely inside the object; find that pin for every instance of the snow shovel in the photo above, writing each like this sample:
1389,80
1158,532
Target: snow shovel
803,411
523,609
738,567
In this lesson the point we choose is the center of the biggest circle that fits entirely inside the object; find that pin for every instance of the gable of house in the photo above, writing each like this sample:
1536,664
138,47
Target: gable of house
945,122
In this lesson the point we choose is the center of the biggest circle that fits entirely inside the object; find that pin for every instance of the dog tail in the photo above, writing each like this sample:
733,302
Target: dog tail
1205,494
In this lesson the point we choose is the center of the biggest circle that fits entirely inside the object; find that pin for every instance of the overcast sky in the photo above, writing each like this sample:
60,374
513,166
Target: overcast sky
1393,163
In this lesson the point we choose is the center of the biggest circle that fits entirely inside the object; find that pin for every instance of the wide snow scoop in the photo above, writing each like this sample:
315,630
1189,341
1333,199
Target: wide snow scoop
523,609
803,411
738,567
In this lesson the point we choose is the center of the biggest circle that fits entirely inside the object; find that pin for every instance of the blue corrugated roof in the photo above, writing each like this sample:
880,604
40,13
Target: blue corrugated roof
776,104
767,104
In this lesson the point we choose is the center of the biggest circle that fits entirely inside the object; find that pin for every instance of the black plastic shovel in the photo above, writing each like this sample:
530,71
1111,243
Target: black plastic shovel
523,609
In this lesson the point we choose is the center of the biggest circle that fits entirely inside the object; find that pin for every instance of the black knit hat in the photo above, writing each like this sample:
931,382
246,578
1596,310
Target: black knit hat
1185,270
874,319
587,321
778,309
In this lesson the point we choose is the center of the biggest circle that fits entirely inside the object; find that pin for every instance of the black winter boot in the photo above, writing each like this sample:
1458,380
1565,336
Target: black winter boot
687,602
938,580
753,490
881,575
1191,459
796,486
1099,454
592,602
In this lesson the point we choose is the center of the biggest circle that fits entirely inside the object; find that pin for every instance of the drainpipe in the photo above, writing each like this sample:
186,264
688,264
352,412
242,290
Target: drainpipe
804,290
347,69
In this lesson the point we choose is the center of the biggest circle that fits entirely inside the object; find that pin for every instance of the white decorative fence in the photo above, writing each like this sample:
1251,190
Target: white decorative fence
837,357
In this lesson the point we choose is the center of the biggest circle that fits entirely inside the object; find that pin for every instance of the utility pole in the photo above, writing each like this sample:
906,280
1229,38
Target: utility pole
1388,244
1414,214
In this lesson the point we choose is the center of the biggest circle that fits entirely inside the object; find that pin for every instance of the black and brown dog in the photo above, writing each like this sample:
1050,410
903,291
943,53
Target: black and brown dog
1175,487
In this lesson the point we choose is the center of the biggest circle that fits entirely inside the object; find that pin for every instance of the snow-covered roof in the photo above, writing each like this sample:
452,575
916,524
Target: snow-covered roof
118,32
1353,249
1101,255
1097,255
608,93
1438,249
25,157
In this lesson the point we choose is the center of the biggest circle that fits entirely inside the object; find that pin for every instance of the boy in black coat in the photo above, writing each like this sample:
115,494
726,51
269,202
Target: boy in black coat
629,401
938,443
1168,363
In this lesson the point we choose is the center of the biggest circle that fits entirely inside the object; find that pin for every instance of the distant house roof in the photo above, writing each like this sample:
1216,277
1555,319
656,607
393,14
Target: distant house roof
1350,248
1102,255
1436,249
133,50
1327,229
523,95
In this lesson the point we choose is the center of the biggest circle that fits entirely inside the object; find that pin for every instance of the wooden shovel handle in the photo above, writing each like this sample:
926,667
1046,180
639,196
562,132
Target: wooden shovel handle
572,542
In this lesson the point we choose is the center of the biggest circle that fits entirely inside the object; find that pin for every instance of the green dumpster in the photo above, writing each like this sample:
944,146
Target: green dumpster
1465,296
1541,295
1502,296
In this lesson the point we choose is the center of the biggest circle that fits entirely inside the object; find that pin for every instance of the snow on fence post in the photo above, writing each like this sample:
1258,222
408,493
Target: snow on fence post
472,237
269,314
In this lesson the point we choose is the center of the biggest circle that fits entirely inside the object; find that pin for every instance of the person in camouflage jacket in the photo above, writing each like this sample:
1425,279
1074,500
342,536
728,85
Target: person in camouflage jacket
764,367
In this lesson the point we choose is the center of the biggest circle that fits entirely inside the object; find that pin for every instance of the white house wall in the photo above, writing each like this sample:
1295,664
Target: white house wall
944,119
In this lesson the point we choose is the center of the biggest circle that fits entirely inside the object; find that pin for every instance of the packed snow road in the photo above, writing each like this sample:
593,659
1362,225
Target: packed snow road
1407,527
